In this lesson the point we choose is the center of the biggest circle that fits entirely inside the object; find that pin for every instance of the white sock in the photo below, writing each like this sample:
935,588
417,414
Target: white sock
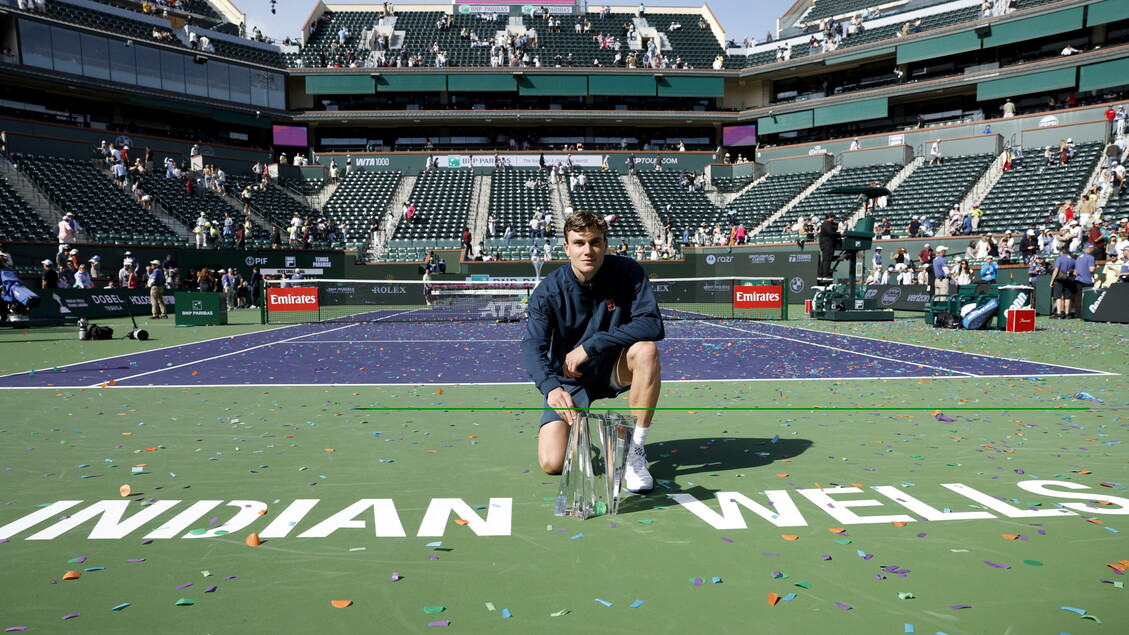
639,437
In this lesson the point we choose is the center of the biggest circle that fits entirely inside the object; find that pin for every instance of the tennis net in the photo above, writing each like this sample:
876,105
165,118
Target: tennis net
328,300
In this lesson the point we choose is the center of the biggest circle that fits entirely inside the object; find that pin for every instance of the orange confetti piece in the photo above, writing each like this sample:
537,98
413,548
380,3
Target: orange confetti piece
72,575
439,391
126,434
150,449
783,475
253,540
124,490
1009,536
330,450
142,465
1117,567
432,451
773,598
340,604
789,536
460,521
1095,521
837,530
195,372
262,512
785,460
113,382
473,436
898,523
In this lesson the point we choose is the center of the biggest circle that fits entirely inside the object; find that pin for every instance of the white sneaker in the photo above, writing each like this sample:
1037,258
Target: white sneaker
636,478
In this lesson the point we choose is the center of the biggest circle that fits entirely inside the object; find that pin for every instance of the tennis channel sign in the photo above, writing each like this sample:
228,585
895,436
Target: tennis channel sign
294,299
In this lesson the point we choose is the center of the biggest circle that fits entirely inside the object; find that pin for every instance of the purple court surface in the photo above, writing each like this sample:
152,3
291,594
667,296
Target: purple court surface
488,353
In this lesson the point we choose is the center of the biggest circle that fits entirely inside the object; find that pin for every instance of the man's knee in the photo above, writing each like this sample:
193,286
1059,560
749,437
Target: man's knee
644,355
551,466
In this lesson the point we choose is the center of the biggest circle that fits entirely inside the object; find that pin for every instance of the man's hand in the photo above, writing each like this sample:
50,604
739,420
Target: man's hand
561,401
573,360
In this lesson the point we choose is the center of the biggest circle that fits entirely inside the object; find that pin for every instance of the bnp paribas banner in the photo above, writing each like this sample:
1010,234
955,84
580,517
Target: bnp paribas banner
797,268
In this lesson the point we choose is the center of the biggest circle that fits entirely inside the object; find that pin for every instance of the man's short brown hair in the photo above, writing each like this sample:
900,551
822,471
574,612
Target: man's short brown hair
583,220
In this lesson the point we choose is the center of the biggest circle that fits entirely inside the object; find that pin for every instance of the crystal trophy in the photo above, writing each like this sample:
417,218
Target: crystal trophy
595,459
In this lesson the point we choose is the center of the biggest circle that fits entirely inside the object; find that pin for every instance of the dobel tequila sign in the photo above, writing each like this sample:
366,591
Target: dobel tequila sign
299,299
758,297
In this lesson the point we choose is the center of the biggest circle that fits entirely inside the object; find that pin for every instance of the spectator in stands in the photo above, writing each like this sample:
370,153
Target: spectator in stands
1062,285
913,229
963,274
935,153
1069,50
977,213
941,272
989,270
49,278
1084,267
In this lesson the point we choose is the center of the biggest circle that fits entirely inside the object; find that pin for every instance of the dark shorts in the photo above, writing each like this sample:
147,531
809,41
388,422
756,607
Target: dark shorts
1062,287
602,386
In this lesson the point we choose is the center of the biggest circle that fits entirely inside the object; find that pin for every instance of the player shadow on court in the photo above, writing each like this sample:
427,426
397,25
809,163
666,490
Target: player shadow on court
681,465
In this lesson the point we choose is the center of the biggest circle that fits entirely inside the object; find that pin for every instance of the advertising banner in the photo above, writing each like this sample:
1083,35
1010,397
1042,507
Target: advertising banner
1106,305
293,299
95,303
907,297
798,269
758,296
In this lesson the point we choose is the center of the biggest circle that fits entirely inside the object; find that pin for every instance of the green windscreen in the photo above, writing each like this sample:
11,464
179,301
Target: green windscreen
938,47
634,85
1103,74
397,83
1035,27
857,111
485,83
568,85
339,85
786,122
691,87
1026,84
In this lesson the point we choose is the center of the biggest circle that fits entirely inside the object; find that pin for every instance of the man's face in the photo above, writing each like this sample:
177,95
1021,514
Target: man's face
586,252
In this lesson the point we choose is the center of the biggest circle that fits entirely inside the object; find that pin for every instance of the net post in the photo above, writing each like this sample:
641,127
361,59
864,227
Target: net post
785,288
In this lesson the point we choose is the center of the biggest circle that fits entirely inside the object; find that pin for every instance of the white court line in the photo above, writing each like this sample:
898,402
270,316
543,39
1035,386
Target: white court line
1088,371
530,384
835,348
154,350
212,358
474,341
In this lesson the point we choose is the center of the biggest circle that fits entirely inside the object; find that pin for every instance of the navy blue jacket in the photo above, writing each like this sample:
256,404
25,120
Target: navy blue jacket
613,312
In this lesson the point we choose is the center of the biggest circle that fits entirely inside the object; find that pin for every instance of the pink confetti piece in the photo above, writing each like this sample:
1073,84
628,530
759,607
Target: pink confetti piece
211,589
231,577
440,623
845,607
183,586
727,540
395,577
957,607
15,628
136,560
997,565
71,616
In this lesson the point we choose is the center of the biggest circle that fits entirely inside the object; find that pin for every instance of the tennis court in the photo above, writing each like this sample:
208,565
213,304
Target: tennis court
812,477
389,353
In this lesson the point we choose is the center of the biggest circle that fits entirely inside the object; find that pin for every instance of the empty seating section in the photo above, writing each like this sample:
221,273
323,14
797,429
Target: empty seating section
245,52
831,8
512,203
888,31
323,49
277,207
305,187
103,21
1032,194
696,46
687,208
442,202
18,221
763,199
101,207
930,191
730,184
359,197
821,202
172,196
607,195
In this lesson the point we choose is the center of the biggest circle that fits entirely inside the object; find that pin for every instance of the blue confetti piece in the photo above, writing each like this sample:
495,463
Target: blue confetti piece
636,604
789,597
1111,529
120,606
1074,610
576,536
506,613
910,628
435,544
716,580
604,602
